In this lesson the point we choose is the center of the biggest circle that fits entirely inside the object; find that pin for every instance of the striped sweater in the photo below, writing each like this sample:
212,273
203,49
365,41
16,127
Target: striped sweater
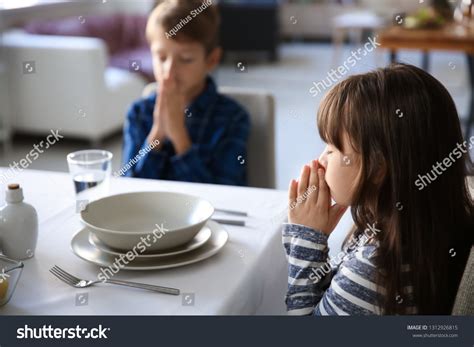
317,286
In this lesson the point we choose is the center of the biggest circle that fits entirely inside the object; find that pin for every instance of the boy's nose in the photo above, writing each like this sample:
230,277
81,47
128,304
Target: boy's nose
169,68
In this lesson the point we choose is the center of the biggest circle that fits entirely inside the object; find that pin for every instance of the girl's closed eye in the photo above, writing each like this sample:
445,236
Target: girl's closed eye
330,149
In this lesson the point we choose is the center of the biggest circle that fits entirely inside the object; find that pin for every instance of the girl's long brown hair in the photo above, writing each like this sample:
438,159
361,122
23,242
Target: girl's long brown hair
402,121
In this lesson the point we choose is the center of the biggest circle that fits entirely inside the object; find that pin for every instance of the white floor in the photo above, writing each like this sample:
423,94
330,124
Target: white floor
289,81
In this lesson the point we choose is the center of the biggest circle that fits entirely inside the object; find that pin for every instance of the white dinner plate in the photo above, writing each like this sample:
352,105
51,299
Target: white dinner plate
200,239
83,247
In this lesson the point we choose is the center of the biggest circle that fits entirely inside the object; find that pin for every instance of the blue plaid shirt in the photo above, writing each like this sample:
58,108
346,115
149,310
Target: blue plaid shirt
218,128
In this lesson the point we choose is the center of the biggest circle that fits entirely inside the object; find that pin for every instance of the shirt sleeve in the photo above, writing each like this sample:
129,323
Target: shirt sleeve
316,288
228,156
139,158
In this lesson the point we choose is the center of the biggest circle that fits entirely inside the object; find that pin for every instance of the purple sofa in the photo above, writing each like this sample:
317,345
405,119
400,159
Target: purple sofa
124,36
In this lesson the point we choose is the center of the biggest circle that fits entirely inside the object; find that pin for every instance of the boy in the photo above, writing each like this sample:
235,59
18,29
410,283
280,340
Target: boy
186,131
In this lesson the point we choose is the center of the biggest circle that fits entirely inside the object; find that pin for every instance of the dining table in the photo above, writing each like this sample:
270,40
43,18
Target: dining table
450,37
248,276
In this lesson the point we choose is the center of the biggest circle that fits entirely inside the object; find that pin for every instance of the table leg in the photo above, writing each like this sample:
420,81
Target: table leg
338,35
6,150
425,61
393,56
470,118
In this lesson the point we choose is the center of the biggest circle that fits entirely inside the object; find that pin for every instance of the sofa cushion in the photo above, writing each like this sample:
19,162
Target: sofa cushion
124,36
141,55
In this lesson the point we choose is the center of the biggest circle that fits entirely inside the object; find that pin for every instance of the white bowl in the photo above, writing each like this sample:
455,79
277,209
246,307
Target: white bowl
147,221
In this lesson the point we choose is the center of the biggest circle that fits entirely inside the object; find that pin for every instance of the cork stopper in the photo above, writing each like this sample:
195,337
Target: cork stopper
14,193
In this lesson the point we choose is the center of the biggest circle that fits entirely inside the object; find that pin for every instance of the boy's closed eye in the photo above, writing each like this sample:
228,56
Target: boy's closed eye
186,60
182,59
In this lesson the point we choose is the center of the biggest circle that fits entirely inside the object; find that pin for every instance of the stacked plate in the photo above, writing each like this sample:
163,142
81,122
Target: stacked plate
148,231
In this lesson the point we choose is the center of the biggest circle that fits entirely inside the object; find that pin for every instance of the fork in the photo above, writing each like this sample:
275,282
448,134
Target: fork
80,283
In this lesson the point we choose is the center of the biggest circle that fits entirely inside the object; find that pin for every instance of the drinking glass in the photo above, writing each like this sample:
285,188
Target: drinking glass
90,171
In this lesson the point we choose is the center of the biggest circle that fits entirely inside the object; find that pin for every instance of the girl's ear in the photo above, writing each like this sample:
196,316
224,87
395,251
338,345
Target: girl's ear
213,58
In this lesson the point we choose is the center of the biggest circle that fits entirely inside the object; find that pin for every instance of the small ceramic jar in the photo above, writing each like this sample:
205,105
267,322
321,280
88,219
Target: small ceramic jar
18,225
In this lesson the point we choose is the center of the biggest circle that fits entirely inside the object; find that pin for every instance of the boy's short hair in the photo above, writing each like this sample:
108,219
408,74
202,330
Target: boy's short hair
186,20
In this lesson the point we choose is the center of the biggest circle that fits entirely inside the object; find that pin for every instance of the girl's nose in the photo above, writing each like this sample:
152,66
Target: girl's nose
323,160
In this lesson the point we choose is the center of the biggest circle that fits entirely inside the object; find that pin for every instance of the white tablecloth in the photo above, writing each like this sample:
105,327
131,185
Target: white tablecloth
248,276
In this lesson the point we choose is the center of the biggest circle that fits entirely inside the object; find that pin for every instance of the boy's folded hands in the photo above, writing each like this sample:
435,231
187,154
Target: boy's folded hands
169,117
158,129
310,200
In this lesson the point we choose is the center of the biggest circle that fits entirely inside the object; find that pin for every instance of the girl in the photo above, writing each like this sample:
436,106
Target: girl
396,156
